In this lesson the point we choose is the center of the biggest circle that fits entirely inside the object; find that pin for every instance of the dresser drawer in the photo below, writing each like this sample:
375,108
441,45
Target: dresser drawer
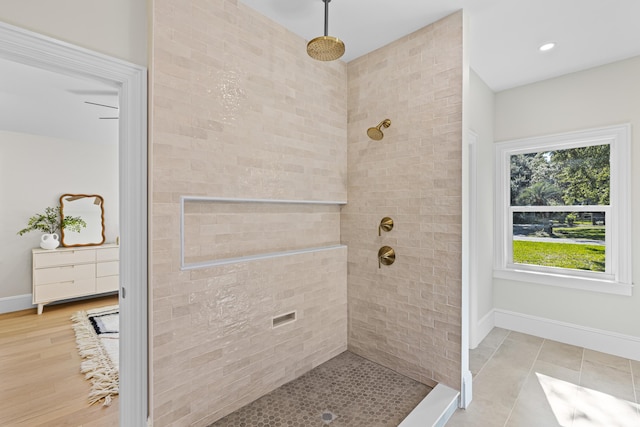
108,254
57,291
69,273
55,258
66,273
107,284
111,268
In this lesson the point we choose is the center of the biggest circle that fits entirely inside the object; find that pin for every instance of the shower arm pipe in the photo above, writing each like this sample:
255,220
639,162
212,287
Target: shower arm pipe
385,123
326,17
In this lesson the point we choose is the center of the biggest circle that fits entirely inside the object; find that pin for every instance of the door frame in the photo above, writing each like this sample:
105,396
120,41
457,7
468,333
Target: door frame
29,48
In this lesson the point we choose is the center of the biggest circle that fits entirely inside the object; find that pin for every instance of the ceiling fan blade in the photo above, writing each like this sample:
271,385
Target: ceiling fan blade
92,92
101,105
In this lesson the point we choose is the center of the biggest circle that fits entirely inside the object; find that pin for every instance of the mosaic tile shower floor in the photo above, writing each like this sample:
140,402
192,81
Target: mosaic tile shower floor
347,390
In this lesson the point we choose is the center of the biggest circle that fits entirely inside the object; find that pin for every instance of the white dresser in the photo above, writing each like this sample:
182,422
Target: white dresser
65,273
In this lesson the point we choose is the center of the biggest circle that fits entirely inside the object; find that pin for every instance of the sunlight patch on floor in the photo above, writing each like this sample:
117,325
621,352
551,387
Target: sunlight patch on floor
578,406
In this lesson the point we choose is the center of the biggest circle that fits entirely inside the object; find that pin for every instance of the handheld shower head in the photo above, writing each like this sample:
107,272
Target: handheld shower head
376,133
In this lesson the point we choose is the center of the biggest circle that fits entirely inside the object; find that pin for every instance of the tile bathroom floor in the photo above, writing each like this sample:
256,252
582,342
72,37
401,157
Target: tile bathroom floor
347,390
525,381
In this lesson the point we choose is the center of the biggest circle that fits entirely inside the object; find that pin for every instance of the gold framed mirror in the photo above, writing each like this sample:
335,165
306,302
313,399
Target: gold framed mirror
89,207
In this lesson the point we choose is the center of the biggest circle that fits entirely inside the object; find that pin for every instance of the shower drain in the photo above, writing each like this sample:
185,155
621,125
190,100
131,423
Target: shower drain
327,417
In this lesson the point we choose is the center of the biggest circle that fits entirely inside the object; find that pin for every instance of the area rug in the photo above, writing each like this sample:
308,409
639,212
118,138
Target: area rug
97,336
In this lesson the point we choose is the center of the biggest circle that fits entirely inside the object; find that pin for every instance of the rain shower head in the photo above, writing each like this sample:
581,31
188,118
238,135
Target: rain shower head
325,48
376,133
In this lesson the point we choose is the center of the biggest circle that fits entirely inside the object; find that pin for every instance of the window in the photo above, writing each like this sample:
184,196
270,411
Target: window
563,210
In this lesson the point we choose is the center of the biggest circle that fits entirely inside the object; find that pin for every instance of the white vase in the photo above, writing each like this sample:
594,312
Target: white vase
49,241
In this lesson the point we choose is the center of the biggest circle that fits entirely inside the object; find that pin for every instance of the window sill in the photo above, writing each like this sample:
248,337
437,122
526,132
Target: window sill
565,281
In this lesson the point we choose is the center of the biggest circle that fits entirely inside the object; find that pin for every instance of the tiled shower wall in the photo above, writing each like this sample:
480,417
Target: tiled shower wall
240,111
407,316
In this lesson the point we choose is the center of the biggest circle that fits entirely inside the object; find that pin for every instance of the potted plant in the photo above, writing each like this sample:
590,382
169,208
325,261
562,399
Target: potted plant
49,222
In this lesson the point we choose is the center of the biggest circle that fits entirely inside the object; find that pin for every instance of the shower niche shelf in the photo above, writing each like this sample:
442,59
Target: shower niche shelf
259,229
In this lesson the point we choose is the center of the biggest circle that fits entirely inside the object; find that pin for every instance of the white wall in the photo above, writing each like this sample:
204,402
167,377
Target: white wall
34,172
482,101
114,27
597,97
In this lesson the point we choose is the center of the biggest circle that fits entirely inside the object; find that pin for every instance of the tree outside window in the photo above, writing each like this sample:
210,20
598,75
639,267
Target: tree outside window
574,177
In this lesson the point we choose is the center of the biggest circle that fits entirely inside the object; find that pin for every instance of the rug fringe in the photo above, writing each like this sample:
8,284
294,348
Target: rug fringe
97,366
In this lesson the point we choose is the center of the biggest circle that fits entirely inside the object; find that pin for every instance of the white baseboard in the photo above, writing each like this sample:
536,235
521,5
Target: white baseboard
23,302
481,329
16,303
626,346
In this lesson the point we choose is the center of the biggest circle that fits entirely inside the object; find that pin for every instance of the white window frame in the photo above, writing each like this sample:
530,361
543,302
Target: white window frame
617,278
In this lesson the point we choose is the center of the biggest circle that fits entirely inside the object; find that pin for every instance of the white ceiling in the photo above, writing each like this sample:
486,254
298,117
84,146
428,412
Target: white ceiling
45,103
504,35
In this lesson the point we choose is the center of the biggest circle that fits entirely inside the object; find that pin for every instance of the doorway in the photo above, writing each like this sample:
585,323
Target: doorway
130,80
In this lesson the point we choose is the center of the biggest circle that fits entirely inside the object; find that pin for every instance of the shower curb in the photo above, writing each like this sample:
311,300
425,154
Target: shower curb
435,409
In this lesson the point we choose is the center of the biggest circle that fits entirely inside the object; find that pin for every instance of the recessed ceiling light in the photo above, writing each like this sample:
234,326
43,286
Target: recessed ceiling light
546,47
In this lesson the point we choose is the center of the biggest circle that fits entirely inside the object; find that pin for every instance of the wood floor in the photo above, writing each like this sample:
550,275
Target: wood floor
40,379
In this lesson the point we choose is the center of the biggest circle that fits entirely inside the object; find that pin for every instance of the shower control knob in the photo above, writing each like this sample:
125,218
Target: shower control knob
386,224
386,256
